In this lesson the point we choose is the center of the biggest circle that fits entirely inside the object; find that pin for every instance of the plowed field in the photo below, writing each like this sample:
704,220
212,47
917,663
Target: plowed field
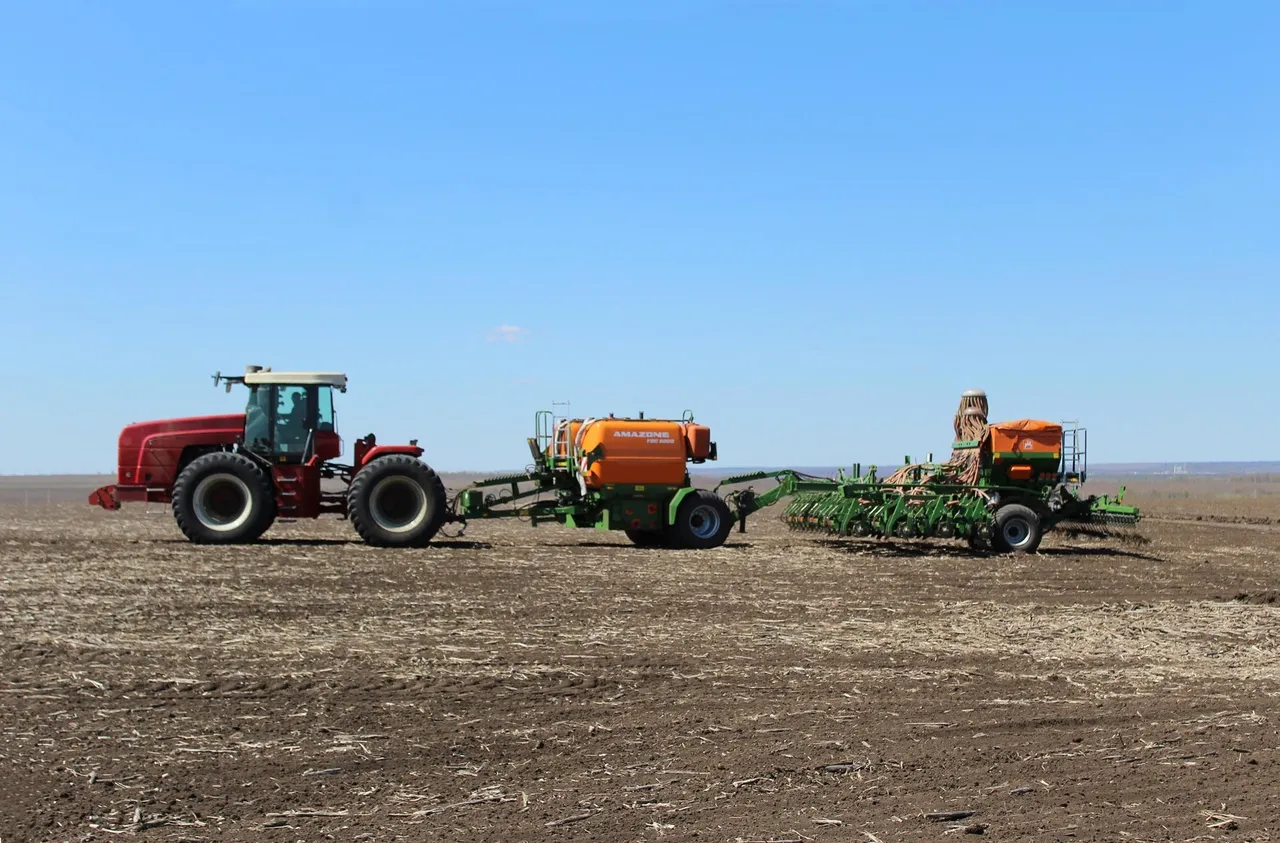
546,684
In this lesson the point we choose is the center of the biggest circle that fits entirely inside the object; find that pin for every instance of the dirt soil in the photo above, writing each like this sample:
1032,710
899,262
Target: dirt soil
547,684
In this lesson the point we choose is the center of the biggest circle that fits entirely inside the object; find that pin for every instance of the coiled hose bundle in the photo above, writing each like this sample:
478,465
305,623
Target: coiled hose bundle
965,463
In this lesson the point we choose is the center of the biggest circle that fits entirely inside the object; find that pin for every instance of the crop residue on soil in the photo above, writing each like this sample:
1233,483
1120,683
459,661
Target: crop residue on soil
1265,598
523,684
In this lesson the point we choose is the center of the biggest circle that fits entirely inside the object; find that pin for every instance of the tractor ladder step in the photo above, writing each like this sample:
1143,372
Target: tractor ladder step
287,495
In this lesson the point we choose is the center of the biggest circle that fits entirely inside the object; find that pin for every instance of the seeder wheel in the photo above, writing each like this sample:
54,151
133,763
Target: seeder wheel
1017,529
703,521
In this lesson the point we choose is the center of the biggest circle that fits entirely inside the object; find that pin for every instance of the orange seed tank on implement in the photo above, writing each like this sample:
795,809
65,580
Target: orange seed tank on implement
633,451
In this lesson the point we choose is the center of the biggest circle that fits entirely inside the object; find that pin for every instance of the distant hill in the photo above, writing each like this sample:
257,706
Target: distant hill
1153,469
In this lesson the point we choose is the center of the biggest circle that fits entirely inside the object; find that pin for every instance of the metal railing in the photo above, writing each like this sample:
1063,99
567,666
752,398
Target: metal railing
1074,467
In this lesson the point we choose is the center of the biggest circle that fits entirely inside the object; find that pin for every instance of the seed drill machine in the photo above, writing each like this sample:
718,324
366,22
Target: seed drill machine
1004,487
229,477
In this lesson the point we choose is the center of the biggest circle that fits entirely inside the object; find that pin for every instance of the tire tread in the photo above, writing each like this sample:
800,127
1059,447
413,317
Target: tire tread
1012,510
681,535
365,480
232,463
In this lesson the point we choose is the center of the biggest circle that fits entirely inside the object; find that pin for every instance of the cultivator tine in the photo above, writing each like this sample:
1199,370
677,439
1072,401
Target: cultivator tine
1106,522
846,516
1114,519
789,513
805,512
827,514
821,512
1124,533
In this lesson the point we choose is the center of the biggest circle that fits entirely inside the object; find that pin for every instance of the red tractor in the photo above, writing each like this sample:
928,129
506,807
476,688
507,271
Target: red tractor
229,477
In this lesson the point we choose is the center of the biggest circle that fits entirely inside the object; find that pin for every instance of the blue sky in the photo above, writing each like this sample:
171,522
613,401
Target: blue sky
813,223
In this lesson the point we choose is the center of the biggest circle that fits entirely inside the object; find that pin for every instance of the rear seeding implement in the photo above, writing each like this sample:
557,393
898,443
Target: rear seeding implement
1005,486
612,474
230,477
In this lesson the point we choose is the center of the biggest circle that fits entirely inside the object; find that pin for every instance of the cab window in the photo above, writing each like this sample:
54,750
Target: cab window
324,408
257,419
294,413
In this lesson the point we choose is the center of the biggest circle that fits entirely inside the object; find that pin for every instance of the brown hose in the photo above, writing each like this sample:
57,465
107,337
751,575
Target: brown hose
965,463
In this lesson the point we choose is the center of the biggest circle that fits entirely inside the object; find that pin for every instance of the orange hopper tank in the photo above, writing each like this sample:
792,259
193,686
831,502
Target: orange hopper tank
633,451
1026,437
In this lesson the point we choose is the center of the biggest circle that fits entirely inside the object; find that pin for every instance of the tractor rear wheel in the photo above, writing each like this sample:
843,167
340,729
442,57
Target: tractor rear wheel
223,498
1017,529
396,501
703,521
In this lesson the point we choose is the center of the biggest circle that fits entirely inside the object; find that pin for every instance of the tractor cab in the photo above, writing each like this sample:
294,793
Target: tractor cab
289,416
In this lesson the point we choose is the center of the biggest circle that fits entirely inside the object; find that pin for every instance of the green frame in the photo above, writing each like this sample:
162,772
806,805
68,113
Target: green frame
862,505
554,492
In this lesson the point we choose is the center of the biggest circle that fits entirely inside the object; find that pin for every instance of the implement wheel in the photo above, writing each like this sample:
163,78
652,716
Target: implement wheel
223,498
703,521
1017,529
396,501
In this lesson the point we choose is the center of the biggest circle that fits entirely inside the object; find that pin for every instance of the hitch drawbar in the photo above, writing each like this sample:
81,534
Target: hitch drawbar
105,497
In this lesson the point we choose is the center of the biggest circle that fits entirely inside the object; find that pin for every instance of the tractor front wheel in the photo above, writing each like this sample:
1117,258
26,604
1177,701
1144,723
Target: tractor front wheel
1017,529
223,498
396,501
703,521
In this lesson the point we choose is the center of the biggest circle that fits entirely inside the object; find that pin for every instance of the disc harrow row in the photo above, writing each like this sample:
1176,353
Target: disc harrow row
871,512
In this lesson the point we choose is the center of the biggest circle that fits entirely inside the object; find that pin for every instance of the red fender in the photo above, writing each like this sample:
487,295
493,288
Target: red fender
386,450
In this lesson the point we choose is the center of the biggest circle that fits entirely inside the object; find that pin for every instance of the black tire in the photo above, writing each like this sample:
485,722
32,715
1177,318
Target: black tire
1017,529
702,521
397,501
223,498
647,538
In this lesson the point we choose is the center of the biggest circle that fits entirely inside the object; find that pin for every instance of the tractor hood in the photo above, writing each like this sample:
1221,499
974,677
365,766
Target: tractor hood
150,451
137,432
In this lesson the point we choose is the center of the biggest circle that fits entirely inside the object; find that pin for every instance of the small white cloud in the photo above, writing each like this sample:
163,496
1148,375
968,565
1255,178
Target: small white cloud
508,333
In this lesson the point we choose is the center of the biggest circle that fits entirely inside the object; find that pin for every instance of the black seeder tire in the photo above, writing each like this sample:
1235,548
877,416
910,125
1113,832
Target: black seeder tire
1017,529
223,498
647,538
397,501
703,521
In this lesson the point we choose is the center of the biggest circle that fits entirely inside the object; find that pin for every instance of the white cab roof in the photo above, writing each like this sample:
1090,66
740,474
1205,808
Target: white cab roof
337,379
